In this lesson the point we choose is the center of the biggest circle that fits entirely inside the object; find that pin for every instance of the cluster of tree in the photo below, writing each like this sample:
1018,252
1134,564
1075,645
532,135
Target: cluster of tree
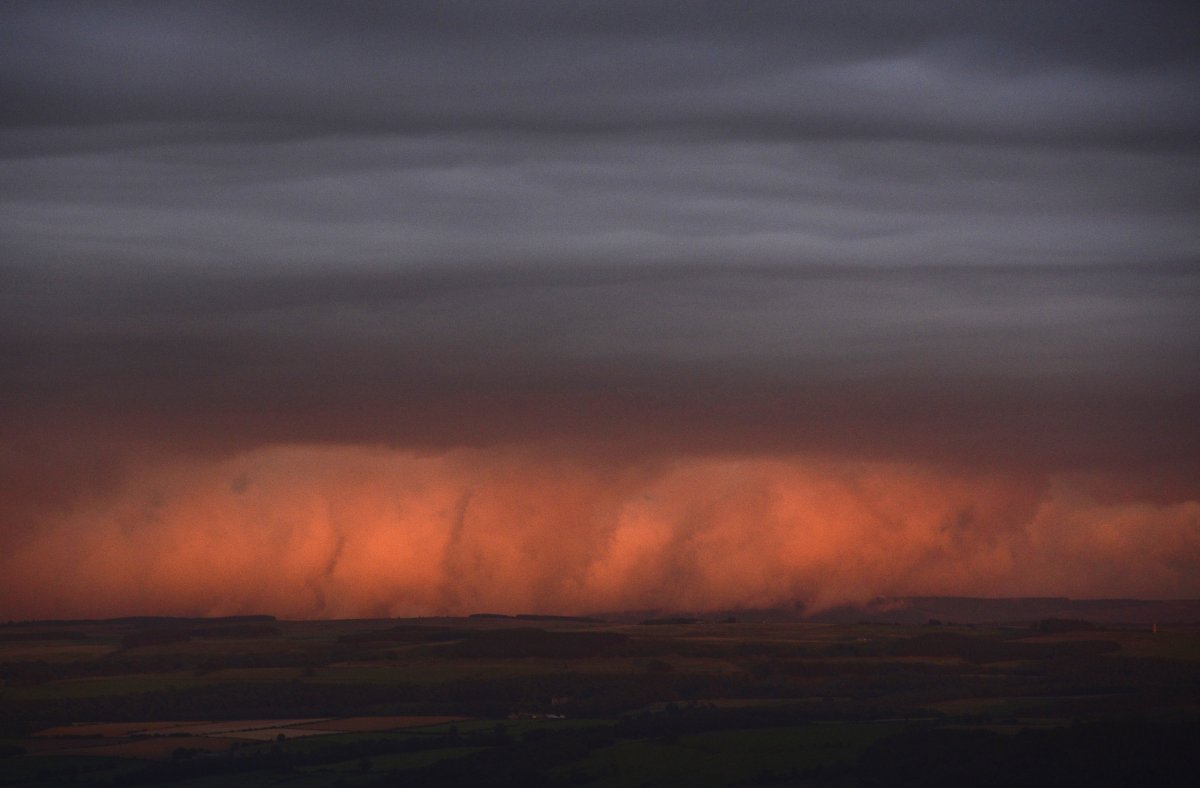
176,633
516,642
538,617
983,650
520,643
131,662
405,633
1055,625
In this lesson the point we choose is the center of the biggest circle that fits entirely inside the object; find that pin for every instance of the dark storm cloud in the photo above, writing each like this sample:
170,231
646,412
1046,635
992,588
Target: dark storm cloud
1060,74
330,134
614,304
394,201
799,225
1047,367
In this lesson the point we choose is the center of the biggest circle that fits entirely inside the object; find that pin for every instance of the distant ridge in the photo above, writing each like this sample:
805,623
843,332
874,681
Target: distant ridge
950,609
145,621
1015,610
881,610
537,617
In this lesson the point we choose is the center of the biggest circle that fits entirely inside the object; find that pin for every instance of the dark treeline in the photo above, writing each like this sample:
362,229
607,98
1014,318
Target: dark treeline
516,643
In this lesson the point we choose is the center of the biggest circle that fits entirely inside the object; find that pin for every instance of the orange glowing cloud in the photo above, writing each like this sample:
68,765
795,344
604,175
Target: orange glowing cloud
319,531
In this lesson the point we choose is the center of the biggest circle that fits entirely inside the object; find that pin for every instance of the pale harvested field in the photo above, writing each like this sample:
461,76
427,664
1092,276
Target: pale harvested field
235,726
271,734
69,736
368,724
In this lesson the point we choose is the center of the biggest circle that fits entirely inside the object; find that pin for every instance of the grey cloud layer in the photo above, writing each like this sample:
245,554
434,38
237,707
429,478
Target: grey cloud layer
928,220
1048,367
231,133
1062,72
408,201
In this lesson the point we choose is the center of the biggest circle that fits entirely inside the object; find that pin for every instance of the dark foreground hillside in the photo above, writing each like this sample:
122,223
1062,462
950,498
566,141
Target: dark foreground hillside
492,700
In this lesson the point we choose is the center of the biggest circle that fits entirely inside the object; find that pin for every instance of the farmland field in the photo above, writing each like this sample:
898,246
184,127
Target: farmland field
519,702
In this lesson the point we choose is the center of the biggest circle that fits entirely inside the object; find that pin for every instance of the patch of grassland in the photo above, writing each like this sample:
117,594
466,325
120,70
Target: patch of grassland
724,757
1165,644
106,685
445,670
253,779
992,708
255,674
54,651
399,761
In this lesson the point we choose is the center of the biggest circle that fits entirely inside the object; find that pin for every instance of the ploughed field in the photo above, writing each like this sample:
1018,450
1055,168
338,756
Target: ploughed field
494,700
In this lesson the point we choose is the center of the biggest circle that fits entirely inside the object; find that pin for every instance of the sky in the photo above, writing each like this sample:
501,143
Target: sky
425,308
